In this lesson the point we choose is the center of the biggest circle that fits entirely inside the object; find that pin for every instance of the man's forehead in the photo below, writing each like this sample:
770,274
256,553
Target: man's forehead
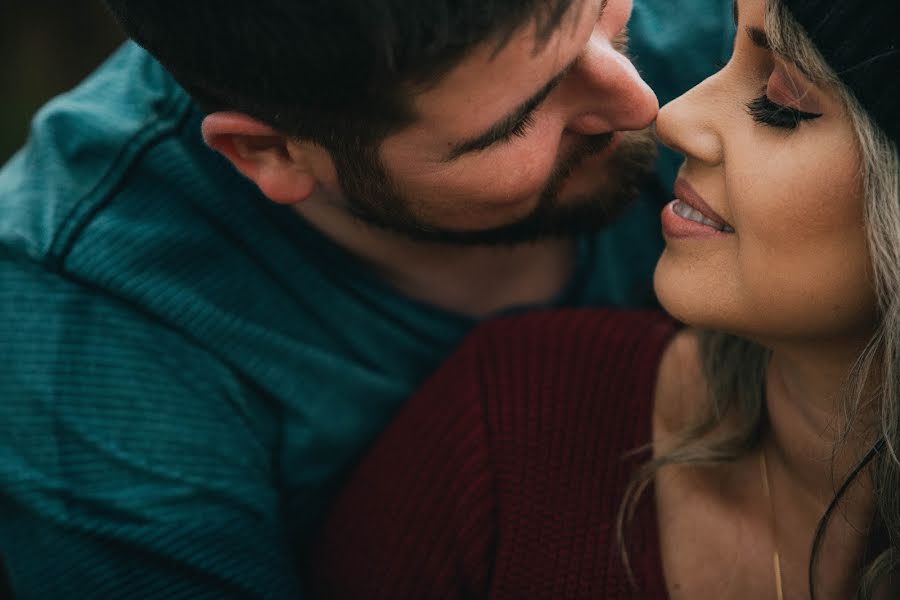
567,24
523,54
532,39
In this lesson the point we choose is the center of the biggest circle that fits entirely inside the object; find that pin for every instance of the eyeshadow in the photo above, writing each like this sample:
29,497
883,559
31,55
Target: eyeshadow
792,90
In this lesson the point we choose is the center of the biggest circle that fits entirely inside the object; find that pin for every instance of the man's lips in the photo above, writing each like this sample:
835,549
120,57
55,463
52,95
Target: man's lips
686,193
586,159
597,148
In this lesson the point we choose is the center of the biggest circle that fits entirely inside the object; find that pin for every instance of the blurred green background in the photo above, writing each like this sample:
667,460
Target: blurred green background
46,47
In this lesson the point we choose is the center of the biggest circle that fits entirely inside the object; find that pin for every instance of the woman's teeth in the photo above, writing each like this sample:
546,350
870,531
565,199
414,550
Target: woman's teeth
685,211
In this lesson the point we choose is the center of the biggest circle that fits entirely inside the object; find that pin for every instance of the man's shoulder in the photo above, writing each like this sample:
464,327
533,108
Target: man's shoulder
82,148
115,188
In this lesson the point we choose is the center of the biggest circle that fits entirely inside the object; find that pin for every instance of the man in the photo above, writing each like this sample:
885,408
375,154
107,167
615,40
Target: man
214,293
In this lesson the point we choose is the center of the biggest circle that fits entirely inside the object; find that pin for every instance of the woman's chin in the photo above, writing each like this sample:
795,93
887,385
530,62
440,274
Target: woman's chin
686,299
685,312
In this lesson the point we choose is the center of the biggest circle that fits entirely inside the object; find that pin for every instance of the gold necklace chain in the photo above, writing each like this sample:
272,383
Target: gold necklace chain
776,557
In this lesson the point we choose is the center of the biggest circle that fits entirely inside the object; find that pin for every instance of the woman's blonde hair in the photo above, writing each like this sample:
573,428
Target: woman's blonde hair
735,368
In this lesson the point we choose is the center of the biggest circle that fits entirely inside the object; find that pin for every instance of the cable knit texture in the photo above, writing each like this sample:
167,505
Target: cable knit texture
861,42
503,476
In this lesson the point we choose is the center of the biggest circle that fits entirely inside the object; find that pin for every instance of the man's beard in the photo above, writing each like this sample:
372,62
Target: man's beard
374,199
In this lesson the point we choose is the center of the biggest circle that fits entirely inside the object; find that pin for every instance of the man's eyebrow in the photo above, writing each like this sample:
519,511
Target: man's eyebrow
502,128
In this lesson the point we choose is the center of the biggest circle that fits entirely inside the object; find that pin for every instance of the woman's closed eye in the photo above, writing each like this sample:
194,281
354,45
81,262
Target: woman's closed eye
766,112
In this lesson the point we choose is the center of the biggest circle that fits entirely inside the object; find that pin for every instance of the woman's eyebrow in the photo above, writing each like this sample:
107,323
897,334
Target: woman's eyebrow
758,37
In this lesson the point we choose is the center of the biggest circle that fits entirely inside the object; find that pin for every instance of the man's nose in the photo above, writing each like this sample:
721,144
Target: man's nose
611,96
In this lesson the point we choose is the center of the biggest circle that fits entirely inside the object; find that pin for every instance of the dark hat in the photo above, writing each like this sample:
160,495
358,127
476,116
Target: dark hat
860,39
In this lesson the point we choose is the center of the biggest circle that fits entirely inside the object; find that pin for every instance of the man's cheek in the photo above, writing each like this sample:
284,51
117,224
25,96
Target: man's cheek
615,18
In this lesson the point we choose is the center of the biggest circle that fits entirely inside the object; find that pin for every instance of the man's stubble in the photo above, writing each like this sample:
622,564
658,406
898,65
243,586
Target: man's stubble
375,199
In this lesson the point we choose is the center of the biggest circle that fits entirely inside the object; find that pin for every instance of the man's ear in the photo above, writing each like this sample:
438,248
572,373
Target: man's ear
287,171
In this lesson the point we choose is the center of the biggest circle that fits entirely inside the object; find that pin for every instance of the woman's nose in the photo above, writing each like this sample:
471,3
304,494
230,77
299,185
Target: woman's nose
614,97
688,124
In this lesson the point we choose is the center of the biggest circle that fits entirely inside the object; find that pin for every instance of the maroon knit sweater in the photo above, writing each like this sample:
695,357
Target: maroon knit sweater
502,477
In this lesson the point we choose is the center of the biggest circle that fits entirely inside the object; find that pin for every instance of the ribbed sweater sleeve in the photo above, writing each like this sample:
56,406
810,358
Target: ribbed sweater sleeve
502,477
131,464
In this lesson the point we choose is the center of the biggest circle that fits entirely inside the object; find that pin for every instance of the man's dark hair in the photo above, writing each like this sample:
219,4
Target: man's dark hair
331,71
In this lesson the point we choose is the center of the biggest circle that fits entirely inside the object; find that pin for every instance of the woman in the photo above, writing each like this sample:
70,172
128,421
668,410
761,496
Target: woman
772,469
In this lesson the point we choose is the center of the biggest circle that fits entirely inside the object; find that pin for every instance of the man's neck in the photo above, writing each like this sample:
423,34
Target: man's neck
475,281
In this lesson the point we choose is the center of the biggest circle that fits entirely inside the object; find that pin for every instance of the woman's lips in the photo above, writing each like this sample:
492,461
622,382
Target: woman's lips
690,216
686,193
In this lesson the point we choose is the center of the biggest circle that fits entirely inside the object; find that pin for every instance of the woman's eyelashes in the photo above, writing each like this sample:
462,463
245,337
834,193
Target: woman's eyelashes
766,112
